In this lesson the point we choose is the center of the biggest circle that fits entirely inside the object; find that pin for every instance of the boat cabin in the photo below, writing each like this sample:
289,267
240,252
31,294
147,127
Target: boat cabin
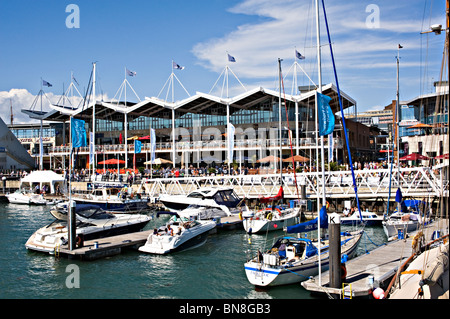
288,249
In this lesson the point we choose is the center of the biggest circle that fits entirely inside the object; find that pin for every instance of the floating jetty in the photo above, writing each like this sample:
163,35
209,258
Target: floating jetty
104,247
371,270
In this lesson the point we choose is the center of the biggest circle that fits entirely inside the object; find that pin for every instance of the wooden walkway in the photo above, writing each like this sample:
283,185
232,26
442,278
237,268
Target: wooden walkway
381,263
108,246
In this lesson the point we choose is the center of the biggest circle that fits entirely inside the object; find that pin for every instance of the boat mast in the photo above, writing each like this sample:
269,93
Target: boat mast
279,121
397,112
319,90
93,121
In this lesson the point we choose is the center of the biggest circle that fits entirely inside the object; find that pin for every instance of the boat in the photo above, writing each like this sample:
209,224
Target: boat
112,199
269,219
215,214
400,223
426,277
31,188
368,218
291,260
177,234
92,222
224,198
26,197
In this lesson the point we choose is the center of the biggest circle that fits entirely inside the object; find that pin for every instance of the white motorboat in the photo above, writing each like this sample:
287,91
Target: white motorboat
177,234
292,260
368,218
224,198
270,219
92,223
399,224
27,198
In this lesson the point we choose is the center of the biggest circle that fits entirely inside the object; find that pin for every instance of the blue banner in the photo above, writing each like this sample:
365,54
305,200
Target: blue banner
78,133
326,117
137,146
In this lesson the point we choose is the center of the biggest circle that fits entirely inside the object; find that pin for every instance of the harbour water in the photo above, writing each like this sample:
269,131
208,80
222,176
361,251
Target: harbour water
212,271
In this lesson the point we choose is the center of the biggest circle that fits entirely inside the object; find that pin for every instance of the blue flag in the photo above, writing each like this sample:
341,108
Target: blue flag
326,116
299,55
137,146
231,58
45,83
78,133
177,66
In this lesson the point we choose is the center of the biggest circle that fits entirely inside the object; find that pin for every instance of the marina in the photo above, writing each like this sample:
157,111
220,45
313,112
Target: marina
253,195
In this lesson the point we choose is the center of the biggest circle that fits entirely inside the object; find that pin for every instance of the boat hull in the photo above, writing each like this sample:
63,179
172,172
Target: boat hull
264,275
253,225
190,238
392,229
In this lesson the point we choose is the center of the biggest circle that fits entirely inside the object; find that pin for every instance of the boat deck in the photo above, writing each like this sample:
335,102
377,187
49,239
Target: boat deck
381,263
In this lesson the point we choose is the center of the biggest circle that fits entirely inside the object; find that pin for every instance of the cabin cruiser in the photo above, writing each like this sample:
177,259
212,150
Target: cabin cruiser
91,223
27,198
224,198
218,215
122,200
177,234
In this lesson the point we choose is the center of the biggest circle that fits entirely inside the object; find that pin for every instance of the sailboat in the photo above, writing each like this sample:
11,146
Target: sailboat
274,217
293,259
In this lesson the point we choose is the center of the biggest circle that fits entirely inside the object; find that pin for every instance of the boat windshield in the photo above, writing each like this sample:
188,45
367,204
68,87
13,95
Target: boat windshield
96,213
227,197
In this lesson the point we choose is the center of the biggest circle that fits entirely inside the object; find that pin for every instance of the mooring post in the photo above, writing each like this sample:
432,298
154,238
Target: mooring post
334,229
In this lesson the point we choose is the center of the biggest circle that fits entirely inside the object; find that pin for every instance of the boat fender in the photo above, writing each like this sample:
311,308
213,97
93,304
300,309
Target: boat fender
416,239
240,215
343,272
79,241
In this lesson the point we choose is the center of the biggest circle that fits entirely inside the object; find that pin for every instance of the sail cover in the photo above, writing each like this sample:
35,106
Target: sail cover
278,196
310,225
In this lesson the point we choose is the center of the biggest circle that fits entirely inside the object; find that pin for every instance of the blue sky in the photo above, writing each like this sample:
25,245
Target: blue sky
145,36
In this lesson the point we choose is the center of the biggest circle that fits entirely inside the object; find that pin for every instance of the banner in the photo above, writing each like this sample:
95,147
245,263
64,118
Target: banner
230,140
78,133
137,146
325,115
91,148
152,144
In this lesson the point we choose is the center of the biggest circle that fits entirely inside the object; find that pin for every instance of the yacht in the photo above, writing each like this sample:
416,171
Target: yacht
399,224
269,219
177,234
121,200
27,198
91,223
224,198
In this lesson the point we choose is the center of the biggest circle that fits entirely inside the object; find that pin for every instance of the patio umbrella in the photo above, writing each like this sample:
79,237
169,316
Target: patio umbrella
112,161
444,156
268,159
414,157
158,161
144,138
297,158
133,138
420,125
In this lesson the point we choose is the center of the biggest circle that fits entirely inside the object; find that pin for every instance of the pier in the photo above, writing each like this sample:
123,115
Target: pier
105,247
382,263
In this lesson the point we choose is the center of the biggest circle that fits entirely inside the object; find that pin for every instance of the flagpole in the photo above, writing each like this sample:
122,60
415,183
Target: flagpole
126,121
93,117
